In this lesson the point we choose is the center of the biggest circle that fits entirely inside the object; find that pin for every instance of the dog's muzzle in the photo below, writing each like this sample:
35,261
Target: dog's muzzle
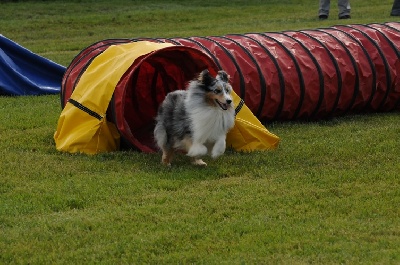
224,106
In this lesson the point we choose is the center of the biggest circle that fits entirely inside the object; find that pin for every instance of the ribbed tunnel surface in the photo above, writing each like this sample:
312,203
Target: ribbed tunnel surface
307,74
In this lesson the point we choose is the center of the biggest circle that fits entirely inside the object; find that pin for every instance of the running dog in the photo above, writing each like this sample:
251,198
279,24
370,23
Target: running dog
196,120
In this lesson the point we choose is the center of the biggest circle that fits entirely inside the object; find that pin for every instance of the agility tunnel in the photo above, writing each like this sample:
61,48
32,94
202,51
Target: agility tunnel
307,74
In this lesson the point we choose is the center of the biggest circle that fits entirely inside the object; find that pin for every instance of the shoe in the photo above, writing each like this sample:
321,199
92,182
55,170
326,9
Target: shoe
345,17
323,17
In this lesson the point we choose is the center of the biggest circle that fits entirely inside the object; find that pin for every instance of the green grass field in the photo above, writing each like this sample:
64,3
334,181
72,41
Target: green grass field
329,194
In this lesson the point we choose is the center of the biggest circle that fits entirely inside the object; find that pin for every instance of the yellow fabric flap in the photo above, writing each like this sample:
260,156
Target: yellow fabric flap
249,134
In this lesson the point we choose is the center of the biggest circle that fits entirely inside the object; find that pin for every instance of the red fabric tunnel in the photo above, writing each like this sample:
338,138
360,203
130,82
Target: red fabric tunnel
307,74
142,88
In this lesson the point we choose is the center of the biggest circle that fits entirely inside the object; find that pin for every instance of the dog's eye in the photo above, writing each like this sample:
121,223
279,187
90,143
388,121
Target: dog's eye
217,91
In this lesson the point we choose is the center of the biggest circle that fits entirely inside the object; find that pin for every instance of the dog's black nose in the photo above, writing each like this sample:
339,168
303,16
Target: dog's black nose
228,101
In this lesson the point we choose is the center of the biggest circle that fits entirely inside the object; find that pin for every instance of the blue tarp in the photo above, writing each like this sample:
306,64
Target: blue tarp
24,73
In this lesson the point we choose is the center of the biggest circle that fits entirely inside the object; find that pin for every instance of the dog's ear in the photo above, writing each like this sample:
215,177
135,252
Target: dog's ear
223,76
205,78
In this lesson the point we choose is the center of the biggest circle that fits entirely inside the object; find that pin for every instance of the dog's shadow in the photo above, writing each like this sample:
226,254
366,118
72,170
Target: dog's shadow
230,164
182,168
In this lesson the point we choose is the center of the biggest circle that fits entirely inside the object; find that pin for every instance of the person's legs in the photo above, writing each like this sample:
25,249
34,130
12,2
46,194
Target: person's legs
324,6
344,8
395,8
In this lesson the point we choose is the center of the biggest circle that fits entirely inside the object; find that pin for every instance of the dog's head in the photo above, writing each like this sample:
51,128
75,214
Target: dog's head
218,90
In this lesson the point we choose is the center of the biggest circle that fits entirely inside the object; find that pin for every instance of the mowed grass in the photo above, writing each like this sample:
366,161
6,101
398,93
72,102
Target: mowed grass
329,194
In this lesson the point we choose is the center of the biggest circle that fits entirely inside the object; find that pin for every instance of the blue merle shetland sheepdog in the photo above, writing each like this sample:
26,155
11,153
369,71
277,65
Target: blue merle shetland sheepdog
196,120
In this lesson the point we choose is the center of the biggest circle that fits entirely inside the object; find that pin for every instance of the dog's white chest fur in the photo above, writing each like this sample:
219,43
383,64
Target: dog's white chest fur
209,125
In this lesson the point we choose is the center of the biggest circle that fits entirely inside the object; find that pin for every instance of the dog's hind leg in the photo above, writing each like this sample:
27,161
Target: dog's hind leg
167,156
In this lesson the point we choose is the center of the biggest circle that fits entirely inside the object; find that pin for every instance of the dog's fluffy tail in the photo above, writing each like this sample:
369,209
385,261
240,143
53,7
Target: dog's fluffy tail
160,135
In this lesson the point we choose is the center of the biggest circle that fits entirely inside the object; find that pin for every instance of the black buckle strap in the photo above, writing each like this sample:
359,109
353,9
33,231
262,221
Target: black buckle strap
85,109
239,106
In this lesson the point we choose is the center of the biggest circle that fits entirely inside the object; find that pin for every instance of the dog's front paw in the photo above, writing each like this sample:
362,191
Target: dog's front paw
217,153
199,162
197,150
218,149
